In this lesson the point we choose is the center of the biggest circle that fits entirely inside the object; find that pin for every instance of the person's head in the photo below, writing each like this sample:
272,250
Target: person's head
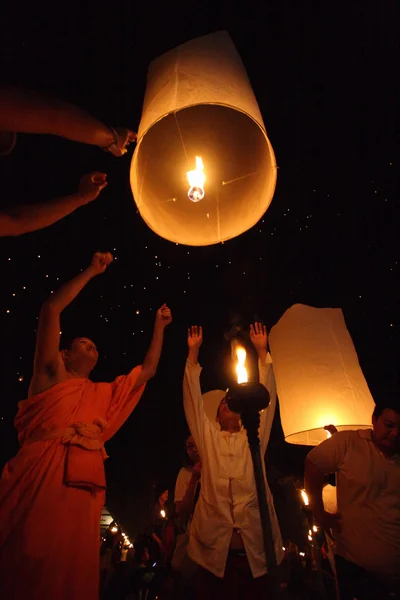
191,451
386,423
79,355
228,420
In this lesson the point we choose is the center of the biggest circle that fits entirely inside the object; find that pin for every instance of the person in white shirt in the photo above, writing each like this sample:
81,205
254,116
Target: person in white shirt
225,534
187,489
367,525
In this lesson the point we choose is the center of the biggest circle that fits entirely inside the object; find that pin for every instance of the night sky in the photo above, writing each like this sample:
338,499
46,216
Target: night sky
326,79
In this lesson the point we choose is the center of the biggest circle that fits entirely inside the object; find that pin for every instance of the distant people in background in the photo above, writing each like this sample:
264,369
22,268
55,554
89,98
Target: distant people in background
52,492
367,526
188,483
26,111
156,530
187,490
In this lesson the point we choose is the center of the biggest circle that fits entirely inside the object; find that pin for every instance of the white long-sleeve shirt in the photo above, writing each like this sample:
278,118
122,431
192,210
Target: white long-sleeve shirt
228,497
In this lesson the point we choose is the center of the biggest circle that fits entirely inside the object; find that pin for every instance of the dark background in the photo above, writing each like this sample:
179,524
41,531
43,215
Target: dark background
326,78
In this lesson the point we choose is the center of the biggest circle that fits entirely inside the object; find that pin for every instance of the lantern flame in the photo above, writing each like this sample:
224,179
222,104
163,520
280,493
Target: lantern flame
196,179
305,497
162,513
240,367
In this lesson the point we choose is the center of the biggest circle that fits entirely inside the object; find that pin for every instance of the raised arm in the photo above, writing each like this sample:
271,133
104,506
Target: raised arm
259,339
48,366
18,220
27,111
152,358
192,397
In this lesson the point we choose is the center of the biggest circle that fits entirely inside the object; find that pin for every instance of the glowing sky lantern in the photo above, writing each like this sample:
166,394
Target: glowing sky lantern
201,122
318,376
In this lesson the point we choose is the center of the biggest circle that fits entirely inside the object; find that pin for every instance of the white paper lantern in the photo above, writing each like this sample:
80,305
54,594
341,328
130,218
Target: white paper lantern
318,375
199,104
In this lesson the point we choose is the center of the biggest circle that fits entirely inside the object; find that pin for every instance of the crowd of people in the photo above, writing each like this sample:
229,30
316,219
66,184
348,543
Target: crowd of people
211,546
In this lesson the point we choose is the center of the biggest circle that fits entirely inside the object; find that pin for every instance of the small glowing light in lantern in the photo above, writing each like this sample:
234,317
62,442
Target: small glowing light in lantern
302,553
310,538
196,179
162,513
240,367
315,528
305,497
114,529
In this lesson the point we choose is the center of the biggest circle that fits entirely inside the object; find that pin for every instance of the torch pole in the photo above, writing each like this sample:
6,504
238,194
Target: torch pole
251,422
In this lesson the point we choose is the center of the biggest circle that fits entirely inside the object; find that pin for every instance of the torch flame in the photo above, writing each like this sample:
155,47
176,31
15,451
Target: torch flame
240,368
305,497
196,179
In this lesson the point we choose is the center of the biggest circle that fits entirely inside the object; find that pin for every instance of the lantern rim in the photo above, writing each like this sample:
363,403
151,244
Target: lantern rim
306,432
271,154
194,105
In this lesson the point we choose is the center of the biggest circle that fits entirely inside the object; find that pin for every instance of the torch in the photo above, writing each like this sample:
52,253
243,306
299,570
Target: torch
248,399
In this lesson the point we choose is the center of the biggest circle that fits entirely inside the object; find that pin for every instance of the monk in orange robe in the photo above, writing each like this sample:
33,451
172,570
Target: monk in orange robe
52,492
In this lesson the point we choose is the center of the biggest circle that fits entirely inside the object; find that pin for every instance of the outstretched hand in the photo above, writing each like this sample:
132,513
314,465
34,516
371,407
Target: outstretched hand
122,138
258,336
163,317
195,337
91,185
100,262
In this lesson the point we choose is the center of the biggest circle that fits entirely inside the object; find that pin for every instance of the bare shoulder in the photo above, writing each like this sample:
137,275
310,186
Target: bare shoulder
43,381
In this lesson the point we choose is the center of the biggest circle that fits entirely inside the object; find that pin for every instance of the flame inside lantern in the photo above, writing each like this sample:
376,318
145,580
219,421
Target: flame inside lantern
196,179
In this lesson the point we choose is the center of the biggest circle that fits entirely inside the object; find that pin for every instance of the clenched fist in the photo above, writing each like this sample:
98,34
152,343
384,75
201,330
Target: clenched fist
100,262
163,317
122,138
91,185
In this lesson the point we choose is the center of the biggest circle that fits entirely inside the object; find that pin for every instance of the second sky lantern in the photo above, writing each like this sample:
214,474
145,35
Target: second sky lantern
203,170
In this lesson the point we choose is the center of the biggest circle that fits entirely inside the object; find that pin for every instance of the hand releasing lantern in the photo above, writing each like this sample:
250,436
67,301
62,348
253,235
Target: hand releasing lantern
196,180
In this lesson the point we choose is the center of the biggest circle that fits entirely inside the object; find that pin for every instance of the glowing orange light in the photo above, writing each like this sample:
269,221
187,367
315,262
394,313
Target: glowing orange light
305,497
241,370
196,179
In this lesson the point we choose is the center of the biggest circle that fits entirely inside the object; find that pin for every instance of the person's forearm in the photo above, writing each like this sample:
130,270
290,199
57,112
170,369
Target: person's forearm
69,291
193,355
152,358
262,354
314,482
185,506
34,112
31,217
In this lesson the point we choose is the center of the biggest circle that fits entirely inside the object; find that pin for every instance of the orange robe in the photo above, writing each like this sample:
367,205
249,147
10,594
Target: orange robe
52,492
